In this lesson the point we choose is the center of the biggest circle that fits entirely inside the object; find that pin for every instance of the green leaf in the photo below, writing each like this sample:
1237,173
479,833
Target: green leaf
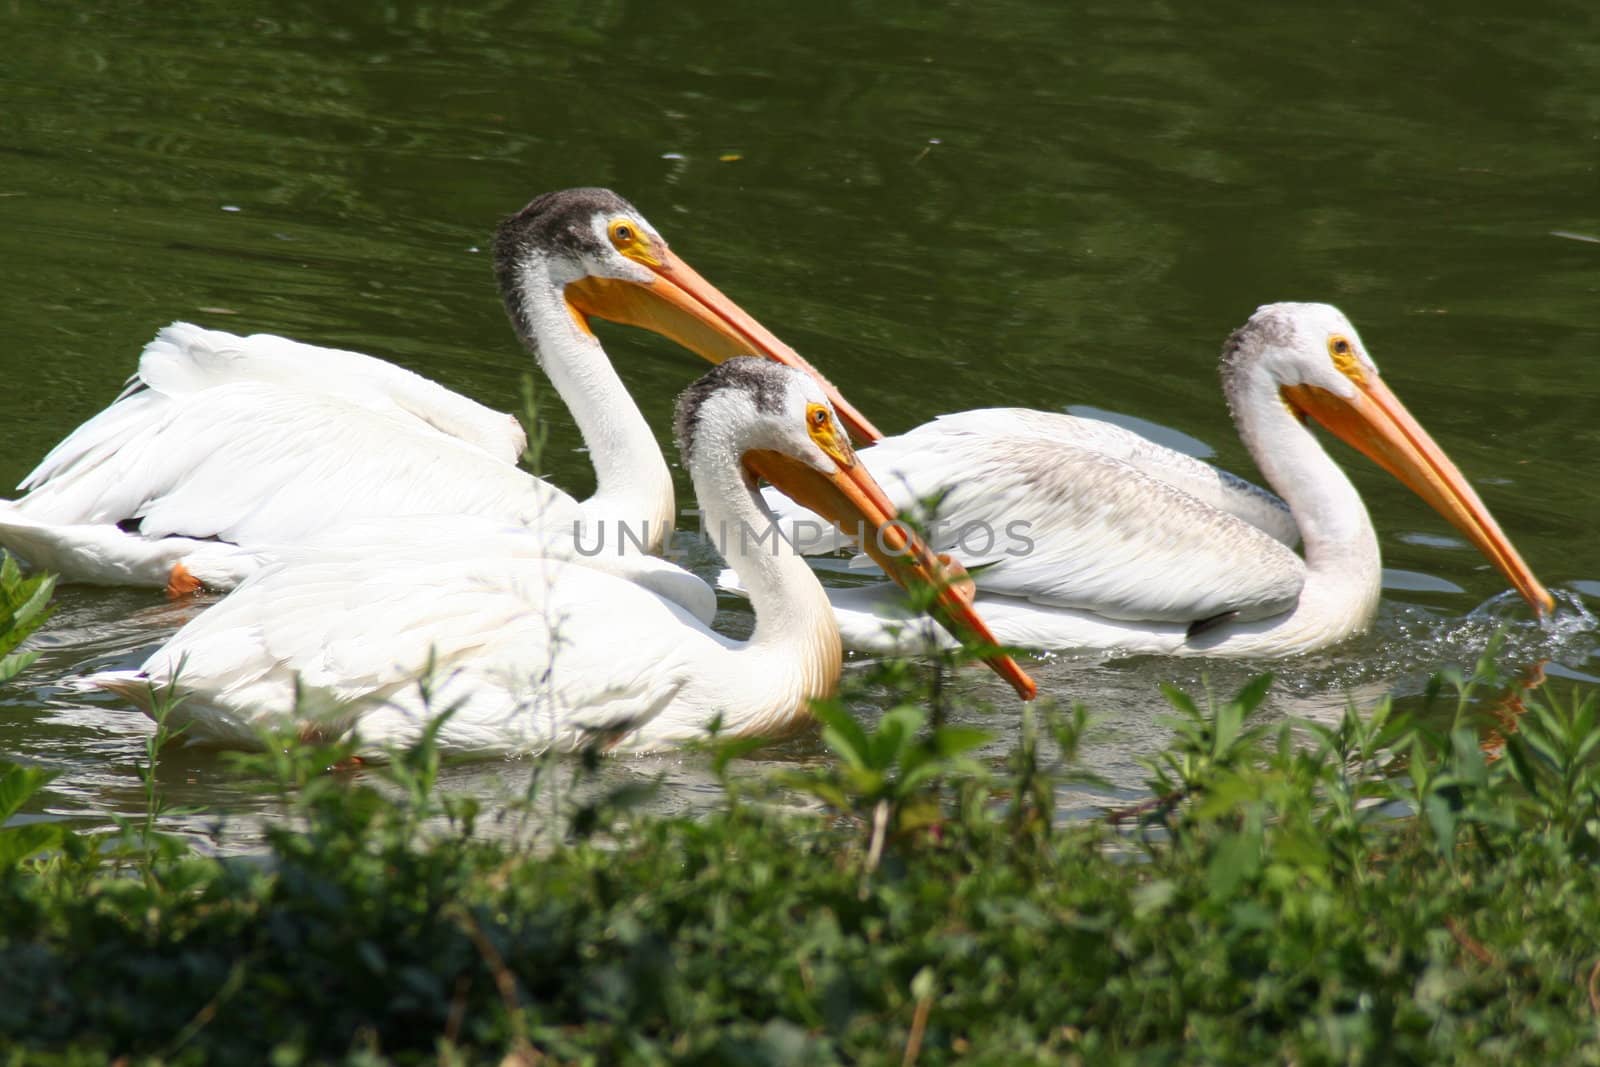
24,607
1253,692
1227,794
1153,897
1180,700
1467,763
15,664
910,781
842,733
24,603
1442,818
1236,858
951,741
17,843
896,732
868,782
1230,717
1524,767
17,784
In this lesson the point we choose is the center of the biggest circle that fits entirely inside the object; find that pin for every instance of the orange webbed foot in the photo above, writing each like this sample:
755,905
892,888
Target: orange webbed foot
180,583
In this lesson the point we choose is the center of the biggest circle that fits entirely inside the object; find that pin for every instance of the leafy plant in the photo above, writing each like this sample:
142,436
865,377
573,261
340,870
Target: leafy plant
140,840
24,607
1393,887
18,842
886,775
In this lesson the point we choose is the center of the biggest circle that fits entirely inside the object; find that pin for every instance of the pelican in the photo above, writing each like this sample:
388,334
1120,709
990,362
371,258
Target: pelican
532,652
224,450
1084,536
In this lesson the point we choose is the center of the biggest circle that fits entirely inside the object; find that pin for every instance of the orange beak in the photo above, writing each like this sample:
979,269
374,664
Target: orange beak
681,305
1375,422
849,497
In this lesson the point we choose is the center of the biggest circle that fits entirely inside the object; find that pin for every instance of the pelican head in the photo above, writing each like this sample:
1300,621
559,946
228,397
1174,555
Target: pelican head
1322,371
597,254
780,424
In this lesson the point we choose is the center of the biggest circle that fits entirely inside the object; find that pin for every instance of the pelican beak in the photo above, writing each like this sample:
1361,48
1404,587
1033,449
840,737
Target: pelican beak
681,305
849,497
1375,422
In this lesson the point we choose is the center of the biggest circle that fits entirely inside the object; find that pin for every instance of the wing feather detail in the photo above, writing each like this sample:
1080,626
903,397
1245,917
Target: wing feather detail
264,439
1078,513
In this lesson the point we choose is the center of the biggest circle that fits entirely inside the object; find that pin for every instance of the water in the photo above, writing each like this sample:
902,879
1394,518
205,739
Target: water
943,207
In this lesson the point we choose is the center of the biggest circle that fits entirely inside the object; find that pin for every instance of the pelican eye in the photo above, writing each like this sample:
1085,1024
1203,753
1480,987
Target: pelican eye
1343,354
628,239
826,435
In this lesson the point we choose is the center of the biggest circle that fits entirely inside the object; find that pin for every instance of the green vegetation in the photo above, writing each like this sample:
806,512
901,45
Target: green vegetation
1272,902
1380,891
24,607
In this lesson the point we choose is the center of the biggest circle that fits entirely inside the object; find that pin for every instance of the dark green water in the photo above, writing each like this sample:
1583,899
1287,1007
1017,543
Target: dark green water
943,206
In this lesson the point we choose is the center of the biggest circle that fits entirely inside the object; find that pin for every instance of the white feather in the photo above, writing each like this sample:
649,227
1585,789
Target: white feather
1077,513
525,650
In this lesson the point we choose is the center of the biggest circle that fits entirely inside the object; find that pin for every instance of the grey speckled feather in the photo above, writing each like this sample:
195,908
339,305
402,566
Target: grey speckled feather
554,224
767,382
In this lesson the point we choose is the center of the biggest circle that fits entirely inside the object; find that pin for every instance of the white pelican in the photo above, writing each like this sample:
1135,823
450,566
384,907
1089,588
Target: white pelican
223,450
533,652
1081,535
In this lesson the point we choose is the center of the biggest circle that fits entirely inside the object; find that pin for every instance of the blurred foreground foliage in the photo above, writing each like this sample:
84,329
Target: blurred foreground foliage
24,607
1377,891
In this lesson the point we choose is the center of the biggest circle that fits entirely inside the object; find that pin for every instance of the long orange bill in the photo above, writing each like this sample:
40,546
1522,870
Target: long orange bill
685,307
849,497
1376,423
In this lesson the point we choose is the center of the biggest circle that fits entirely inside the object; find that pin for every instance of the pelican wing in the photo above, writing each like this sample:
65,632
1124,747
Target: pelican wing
1081,514
267,440
258,463
1209,485
185,361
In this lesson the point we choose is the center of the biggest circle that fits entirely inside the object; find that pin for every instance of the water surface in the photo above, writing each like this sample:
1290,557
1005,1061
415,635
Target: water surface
943,206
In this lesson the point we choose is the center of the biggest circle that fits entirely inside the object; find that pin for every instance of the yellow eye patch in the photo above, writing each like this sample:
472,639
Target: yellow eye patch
828,437
627,238
1343,353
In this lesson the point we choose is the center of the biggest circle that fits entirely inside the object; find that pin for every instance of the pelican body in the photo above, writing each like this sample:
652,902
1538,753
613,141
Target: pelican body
223,451
1120,545
529,652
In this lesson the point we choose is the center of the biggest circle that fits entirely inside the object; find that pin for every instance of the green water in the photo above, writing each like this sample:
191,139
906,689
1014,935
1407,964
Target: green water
944,206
